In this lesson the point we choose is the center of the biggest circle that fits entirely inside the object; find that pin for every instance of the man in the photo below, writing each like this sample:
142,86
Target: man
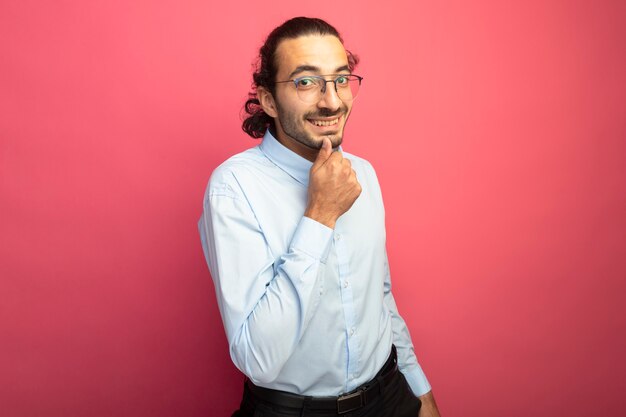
293,232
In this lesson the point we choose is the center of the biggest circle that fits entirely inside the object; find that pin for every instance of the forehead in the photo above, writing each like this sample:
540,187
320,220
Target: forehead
324,52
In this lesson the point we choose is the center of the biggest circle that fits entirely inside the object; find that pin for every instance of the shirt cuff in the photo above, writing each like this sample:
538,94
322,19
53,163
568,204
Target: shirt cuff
312,238
417,381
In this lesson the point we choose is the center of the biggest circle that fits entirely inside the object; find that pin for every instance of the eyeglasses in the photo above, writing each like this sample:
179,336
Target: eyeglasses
311,88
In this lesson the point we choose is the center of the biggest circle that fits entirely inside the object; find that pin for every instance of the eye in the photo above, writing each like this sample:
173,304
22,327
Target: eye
343,80
305,83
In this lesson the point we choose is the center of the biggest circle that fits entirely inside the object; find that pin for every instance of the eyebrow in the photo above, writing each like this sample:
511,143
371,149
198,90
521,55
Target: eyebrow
303,68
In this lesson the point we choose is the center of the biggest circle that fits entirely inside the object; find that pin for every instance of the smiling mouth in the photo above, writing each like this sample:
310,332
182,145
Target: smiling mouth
321,123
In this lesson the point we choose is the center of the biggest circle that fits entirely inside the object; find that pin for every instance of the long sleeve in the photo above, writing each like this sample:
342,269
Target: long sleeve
306,309
266,300
407,361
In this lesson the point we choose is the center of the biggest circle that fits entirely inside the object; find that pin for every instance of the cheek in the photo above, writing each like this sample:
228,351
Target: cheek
348,111
293,115
292,109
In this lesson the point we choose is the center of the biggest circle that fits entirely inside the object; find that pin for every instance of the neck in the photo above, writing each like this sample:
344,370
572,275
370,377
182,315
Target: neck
293,145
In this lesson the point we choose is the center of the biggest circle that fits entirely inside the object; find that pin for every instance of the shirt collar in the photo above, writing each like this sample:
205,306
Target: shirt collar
286,159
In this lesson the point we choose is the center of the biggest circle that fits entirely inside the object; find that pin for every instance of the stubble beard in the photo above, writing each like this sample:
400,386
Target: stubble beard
296,131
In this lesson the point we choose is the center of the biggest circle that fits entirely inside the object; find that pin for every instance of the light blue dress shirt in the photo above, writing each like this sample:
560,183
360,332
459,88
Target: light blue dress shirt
306,309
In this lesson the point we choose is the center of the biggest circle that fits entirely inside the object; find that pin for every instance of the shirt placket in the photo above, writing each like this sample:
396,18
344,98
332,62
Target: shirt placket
347,299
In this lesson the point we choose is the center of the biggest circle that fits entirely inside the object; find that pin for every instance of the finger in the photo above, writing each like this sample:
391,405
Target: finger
324,153
353,176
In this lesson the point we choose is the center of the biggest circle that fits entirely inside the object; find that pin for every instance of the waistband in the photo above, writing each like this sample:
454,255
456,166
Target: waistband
342,404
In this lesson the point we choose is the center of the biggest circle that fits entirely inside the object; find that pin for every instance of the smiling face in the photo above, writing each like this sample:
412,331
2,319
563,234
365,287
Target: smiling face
301,126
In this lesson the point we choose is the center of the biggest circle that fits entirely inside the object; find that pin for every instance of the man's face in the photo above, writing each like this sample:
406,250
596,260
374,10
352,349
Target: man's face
301,126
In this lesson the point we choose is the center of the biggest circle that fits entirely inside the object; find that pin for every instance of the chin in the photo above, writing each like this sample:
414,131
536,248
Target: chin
335,140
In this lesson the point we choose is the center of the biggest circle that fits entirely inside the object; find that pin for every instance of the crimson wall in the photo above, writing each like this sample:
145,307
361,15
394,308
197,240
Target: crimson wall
498,131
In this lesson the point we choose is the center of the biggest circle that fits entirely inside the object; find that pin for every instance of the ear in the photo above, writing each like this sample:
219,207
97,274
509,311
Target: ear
267,102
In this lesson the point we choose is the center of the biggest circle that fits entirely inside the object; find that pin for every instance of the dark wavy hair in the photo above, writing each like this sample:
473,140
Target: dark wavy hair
256,121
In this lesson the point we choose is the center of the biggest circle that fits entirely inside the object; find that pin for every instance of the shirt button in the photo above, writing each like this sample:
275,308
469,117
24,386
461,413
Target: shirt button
345,284
338,236
352,331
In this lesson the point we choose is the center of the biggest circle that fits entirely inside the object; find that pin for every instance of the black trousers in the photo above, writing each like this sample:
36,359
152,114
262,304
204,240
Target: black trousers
396,400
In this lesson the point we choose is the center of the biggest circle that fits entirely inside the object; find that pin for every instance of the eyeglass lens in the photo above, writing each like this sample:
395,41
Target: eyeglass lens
311,89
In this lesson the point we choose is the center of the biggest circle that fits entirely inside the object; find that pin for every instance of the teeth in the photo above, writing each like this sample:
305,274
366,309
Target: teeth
325,122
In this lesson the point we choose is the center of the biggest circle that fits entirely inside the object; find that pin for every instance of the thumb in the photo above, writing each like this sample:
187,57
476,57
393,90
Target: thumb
325,151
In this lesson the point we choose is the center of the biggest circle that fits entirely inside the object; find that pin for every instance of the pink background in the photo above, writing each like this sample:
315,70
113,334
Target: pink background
498,130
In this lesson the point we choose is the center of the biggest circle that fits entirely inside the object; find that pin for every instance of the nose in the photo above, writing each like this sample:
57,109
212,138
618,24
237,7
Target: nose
329,99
